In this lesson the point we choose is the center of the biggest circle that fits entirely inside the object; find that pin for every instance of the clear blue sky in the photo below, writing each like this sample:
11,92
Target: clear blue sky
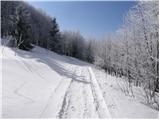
92,19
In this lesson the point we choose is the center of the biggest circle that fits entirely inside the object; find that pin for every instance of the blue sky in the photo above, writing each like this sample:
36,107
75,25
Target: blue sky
92,19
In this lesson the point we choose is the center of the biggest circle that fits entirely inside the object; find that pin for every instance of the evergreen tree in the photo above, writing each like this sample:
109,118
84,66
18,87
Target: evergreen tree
90,51
22,27
54,42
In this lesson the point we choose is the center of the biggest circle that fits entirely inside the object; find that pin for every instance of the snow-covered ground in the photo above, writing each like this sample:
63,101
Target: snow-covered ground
118,103
43,84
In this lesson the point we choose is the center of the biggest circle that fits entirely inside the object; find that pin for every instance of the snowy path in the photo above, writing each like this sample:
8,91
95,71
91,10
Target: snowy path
78,101
48,87
43,84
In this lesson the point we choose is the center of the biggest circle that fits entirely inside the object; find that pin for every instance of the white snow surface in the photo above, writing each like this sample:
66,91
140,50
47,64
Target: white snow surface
43,84
119,104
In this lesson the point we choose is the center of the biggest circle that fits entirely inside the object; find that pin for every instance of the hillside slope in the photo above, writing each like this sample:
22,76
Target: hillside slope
43,84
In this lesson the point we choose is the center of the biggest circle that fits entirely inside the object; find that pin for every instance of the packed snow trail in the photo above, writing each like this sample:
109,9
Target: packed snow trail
102,107
43,84
47,86
78,101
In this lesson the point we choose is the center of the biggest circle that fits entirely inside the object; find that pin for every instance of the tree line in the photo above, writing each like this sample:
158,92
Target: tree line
131,52
29,26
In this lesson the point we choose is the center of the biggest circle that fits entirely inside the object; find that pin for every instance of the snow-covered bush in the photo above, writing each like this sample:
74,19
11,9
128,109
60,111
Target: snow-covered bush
99,61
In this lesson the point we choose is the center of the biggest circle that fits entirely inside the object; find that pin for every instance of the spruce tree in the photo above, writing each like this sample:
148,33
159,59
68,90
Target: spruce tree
22,27
54,41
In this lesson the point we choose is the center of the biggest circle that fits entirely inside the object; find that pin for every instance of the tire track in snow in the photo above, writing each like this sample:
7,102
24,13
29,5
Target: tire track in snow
56,98
50,97
66,103
78,101
73,104
85,103
110,100
101,106
70,110
89,109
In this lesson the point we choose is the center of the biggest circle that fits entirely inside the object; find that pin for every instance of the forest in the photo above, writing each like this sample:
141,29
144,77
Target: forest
132,52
